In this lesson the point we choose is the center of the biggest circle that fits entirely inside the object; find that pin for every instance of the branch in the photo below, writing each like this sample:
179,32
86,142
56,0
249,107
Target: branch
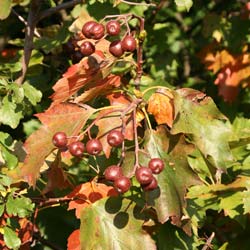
208,242
59,7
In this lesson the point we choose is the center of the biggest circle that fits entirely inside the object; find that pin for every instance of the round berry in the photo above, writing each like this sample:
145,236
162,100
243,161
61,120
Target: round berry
86,29
122,184
87,48
60,139
144,175
129,43
76,148
113,28
77,56
113,172
151,186
115,138
69,47
93,147
97,31
156,165
115,48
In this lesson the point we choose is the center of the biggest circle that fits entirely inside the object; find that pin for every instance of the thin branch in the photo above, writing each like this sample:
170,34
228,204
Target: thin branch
59,7
208,242
138,4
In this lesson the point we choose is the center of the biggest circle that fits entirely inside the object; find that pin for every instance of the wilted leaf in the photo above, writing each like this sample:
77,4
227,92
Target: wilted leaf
74,241
160,105
68,118
196,115
110,224
87,193
87,73
176,177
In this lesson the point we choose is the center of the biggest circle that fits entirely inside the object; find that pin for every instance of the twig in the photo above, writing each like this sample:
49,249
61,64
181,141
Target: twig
138,4
59,7
208,242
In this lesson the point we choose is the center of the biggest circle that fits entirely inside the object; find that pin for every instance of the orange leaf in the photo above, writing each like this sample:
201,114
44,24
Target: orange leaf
87,193
161,106
74,241
65,117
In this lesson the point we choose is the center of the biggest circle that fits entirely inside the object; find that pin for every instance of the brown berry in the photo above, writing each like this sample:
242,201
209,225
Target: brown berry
122,184
144,175
87,48
76,148
97,31
113,28
86,29
60,139
115,138
156,165
129,43
115,48
113,172
93,147
151,186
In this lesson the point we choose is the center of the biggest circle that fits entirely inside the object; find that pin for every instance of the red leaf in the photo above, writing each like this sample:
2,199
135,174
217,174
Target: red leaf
74,240
87,193
87,73
64,117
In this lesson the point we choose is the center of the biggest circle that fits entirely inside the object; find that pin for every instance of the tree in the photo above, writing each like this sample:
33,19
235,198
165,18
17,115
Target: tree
124,125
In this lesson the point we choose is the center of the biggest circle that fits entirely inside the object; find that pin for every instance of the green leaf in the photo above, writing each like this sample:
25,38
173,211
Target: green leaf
187,4
113,224
19,206
9,158
5,180
6,139
168,200
10,113
196,115
11,239
5,9
2,207
32,94
18,92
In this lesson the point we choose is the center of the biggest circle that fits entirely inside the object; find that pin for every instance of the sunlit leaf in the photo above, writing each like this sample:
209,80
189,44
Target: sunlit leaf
111,224
5,9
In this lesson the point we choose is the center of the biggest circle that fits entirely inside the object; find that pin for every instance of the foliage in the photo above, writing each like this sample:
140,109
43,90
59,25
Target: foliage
182,97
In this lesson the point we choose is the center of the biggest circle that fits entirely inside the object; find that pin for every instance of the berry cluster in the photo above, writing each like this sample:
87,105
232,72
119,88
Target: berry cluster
92,32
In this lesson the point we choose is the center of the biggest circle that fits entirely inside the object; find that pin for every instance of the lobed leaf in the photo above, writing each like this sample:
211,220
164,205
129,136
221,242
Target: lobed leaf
112,224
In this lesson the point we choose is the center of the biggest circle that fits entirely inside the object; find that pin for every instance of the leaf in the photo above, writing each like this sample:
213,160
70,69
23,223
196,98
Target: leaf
11,239
176,177
19,206
196,115
114,121
160,105
111,224
74,241
10,113
33,95
9,158
87,193
184,3
88,73
68,118
5,9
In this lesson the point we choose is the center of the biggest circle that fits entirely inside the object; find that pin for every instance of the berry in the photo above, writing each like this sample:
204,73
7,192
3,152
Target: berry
247,6
97,31
87,48
156,165
129,43
113,28
77,56
76,148
94,147
151,186
144,175
69,47
115,138
122,184
60,139
115,48
86,29
112,173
